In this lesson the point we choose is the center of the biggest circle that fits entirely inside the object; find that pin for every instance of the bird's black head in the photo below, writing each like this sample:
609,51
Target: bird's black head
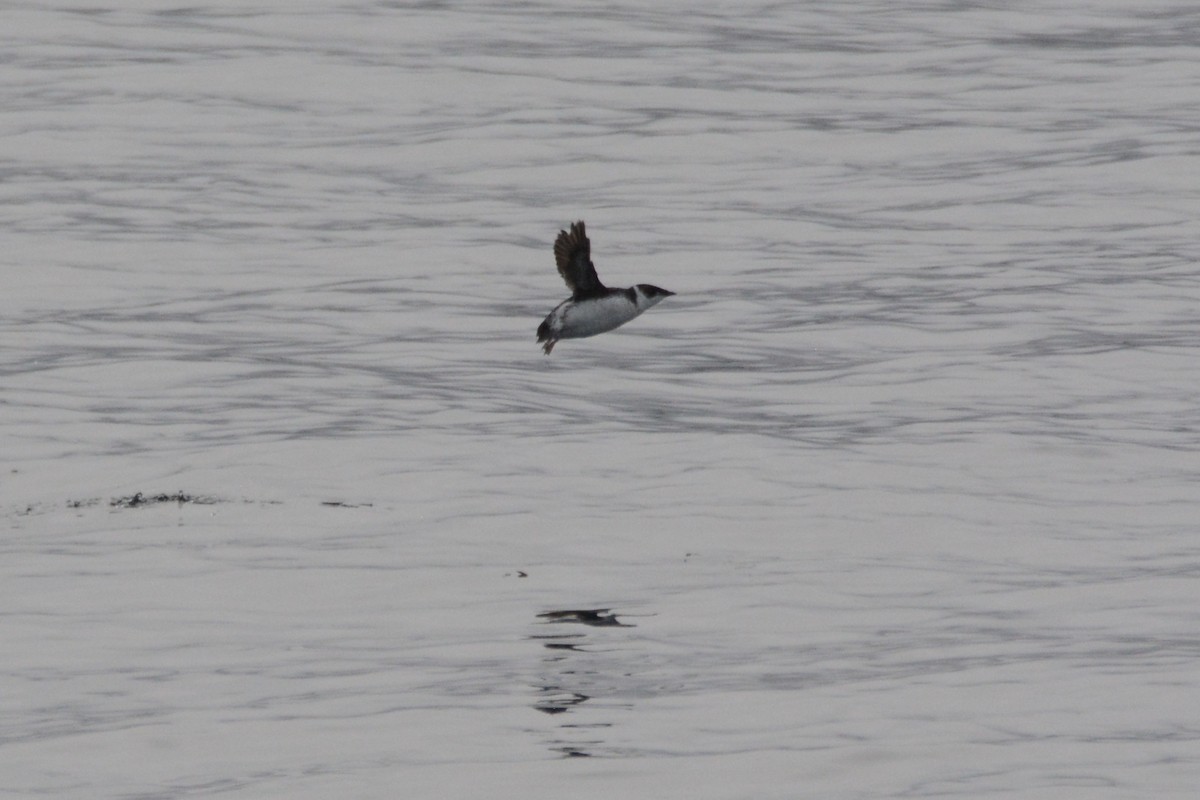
653,292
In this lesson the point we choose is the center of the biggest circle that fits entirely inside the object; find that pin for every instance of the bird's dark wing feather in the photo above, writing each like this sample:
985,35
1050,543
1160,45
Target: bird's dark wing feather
573,252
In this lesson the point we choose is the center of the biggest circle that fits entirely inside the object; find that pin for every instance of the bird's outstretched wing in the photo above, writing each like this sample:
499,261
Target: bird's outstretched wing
573,252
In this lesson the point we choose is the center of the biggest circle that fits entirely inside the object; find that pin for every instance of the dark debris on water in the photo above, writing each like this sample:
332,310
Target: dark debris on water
140,499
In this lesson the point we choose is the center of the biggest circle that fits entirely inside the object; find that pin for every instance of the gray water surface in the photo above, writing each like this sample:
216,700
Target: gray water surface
895,498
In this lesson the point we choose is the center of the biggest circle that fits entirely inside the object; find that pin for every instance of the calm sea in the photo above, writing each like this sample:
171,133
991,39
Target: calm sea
896,498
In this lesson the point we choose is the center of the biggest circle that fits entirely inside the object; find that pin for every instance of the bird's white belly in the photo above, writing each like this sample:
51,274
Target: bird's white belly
597,316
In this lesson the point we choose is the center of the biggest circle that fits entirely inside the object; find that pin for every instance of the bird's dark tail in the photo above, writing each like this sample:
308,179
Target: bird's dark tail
544,335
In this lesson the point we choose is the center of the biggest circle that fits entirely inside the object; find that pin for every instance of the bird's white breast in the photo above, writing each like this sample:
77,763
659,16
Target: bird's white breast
589,317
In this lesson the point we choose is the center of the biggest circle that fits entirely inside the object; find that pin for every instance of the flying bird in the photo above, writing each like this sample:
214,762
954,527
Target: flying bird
592,308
